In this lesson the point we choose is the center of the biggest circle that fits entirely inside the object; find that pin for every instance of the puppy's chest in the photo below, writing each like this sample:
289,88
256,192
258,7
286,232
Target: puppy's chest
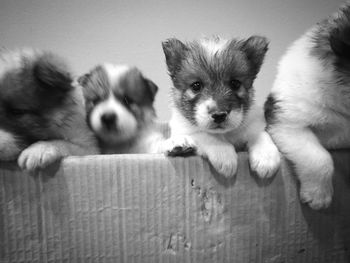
238,140
139,144
131,147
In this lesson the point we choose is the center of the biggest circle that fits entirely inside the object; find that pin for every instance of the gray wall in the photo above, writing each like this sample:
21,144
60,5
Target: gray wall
130,32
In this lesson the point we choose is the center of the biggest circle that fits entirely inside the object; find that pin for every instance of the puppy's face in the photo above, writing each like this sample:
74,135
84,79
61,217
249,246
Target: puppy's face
213,79
33,87
119,102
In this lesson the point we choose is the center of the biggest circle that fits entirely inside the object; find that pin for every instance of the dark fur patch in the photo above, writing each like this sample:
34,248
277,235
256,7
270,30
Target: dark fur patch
255,48
174,51
96,87
30,92
52,72
331,38
340,42
271,109
182,151
240,60
136,88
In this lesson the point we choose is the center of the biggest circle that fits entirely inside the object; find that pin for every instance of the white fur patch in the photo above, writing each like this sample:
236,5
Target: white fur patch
220,153
114,72
213,45
190,94
39,155
235,119
264,157
179,125
126,122
9,148
202,116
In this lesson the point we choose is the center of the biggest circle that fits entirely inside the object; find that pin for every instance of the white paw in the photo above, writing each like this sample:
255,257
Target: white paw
264,160
317,196
223,159
38,156
179,146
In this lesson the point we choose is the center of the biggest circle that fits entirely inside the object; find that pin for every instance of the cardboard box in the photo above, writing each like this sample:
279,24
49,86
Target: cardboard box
149,208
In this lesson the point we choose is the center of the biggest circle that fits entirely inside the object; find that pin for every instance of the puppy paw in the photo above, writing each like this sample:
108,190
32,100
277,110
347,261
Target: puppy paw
38,156
224,160
317,196
179,146
265,161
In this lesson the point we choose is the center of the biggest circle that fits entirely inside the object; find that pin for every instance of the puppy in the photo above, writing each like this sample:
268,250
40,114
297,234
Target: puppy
308,110
119,106
42,117
213,109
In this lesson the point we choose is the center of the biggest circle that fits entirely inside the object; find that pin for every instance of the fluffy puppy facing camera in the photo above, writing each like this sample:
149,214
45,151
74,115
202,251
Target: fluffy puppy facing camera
213,109
119,105
42,117
308,109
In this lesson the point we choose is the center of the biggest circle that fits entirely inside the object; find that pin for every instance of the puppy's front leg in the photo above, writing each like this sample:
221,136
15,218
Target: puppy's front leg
313,163
264,157
220,153
43,153
178,145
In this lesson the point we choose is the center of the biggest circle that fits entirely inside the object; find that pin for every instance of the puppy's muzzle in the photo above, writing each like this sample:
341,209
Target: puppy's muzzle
109,120
219,117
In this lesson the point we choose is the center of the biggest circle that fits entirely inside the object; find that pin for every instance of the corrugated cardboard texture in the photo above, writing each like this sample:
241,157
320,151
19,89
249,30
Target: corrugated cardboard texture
148,208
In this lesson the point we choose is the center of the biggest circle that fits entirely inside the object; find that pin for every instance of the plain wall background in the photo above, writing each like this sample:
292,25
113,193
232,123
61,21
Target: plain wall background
130,32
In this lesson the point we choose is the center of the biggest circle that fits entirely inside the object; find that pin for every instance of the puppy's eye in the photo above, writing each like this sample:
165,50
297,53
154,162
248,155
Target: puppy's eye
196,86
235,84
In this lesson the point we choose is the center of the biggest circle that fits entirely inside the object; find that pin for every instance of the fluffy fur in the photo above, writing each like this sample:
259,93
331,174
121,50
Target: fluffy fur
213,108
308,109
119,105
42,116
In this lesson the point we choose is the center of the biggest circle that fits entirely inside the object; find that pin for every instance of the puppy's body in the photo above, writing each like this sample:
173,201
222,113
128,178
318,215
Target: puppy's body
119,104
42,116
213,105
308,109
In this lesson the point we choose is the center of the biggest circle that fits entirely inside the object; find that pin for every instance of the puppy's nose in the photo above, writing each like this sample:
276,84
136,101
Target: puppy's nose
109,119
219,117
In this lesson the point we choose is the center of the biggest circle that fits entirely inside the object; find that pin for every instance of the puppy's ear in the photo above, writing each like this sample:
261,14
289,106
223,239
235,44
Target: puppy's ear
52,72
255,48
82,80
174,51
152,87
340,42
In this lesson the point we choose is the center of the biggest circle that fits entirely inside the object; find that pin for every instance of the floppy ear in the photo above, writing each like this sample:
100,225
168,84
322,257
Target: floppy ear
174,51
255,48
152,87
